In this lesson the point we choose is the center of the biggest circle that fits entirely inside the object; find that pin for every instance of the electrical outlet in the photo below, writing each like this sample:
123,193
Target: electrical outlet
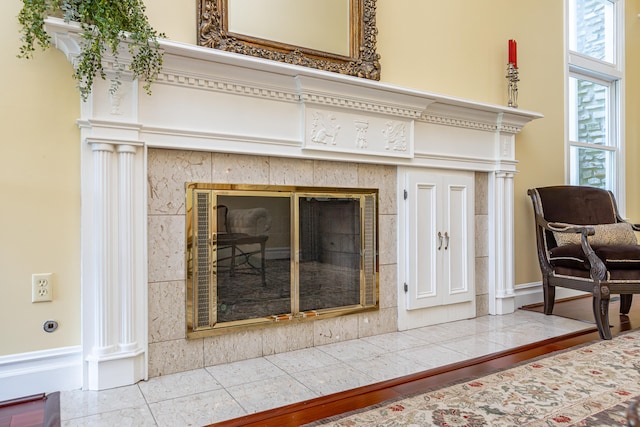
42,287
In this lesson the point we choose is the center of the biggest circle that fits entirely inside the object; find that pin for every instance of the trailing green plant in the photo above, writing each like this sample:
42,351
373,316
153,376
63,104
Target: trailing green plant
104,24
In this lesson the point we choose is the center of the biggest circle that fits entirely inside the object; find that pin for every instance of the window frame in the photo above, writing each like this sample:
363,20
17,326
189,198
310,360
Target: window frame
581,66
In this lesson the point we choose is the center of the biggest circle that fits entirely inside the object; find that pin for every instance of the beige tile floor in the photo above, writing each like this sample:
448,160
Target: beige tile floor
222,392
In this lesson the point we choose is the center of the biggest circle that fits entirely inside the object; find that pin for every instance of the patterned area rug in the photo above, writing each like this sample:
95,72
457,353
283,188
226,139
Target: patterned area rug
588,386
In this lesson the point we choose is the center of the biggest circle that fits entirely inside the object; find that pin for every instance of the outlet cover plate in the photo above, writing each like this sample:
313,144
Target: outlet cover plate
42,287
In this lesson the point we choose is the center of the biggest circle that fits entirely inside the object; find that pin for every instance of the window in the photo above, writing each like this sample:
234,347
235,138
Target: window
594,94
592,28
592,145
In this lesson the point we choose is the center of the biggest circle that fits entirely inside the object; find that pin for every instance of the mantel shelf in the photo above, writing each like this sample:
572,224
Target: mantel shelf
205,96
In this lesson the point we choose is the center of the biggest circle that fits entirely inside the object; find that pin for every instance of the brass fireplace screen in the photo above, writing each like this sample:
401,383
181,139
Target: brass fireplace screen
257,255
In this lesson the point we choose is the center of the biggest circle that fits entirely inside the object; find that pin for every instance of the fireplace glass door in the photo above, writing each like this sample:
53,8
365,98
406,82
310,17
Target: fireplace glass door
259,255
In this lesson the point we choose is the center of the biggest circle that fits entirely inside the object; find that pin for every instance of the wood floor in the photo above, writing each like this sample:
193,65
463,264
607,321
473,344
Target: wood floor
327,406
39,410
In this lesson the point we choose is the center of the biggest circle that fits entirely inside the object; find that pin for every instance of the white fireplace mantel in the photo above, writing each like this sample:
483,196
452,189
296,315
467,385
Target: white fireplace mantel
216,101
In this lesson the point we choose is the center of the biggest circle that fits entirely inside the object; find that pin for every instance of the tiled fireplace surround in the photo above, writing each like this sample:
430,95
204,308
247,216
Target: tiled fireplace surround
168,170
227,118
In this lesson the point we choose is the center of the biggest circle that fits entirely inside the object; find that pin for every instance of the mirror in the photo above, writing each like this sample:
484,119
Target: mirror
309,29
332,35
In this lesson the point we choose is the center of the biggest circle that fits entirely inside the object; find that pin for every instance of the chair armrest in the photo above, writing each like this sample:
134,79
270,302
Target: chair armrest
597,269
562,227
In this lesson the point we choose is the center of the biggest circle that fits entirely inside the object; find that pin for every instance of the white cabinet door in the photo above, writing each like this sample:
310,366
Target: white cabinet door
439,233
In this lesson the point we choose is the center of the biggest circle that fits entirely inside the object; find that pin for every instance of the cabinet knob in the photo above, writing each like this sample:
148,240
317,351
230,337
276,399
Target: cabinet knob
446,239
439,240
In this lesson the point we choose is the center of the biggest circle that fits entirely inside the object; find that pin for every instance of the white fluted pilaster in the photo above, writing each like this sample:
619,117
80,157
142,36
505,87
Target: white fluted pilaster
126,245
103,226
502,293
116,355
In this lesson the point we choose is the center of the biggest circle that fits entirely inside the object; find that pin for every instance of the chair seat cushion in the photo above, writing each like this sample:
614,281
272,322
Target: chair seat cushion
615,257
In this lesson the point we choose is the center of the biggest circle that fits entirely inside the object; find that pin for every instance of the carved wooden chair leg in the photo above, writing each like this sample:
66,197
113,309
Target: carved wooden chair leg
601,314
625,303
549,296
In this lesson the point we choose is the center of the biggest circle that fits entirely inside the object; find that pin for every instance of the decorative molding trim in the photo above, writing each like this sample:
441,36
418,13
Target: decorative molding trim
112,142
359,104
157,135
40,371
110,125
226,86
509,129
461,162
65,37
532,293
457,122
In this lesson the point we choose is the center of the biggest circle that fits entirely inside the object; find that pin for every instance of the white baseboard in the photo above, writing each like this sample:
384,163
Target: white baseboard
531,293
42,371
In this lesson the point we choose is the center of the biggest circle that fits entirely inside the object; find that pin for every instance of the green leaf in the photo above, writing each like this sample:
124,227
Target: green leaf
105,24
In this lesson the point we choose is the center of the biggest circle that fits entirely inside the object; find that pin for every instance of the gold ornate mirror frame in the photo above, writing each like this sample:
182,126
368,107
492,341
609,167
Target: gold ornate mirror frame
363,61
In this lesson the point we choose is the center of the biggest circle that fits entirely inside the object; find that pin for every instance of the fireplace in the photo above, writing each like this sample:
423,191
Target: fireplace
262,254
216,117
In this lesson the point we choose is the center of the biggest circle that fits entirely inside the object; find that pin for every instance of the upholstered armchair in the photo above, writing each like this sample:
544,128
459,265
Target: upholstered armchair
584,244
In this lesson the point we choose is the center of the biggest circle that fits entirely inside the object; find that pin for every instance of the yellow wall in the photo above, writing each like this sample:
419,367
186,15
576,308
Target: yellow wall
457,48
632,39
175,18
39,184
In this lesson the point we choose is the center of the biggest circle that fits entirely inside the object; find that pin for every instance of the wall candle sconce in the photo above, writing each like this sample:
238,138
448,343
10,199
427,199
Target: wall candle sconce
512,74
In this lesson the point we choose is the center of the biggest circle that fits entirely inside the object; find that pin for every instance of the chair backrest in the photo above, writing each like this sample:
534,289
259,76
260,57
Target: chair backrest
578,205
253,221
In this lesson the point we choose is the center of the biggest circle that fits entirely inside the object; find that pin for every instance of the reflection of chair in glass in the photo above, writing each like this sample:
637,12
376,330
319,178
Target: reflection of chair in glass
584,244
244,232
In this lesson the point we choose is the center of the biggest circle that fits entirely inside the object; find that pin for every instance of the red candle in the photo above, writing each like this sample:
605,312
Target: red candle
513,53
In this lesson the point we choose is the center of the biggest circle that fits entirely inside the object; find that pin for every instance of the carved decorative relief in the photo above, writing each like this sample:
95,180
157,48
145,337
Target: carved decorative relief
361,133
506,149
116,102
395,135
324,130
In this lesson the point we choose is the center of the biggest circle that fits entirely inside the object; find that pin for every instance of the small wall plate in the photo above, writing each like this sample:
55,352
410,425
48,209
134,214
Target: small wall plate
50,325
